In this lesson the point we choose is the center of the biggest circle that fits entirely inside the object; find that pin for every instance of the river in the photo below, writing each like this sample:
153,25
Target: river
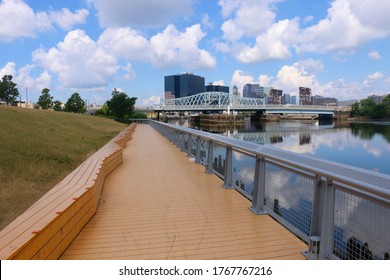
364,144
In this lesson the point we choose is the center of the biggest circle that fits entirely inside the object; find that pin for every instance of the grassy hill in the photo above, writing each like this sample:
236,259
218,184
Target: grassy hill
39,148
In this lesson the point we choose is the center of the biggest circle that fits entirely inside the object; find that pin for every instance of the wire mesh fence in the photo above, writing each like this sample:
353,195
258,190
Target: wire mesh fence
289,195
361,228
219,156
243,173
204,146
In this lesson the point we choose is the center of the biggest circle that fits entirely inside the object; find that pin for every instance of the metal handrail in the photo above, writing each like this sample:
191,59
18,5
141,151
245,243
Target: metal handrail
257,150
327,177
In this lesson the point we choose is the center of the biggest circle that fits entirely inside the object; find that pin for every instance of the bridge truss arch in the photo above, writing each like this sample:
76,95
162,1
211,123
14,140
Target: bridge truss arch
207,101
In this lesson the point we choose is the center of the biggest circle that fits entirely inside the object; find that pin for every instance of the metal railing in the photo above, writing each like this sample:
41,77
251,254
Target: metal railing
141,121
340,211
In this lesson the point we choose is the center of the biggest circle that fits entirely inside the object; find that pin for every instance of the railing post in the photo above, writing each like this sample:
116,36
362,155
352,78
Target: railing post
182,142
259,187
197,152
189,146
228,176
318,205
327,222
177,139
317,214
170,134
210,152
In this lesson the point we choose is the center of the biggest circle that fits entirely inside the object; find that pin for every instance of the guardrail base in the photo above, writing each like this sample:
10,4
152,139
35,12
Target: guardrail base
258,212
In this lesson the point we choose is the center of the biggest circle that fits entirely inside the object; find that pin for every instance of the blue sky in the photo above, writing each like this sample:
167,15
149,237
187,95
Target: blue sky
338,48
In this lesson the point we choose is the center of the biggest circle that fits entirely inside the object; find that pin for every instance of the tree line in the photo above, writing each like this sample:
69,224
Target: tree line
120,106
368,108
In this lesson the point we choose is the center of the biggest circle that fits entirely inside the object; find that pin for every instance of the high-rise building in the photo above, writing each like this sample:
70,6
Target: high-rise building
305,96
275,96
235,90
211,87
294,100
255,91
182,85
324,101
287,98
377,98
248,91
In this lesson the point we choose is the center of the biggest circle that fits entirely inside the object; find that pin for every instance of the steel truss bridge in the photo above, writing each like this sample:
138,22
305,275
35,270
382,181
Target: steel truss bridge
222,101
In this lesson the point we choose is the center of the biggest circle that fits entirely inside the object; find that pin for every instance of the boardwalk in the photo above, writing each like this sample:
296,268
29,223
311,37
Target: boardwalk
160,205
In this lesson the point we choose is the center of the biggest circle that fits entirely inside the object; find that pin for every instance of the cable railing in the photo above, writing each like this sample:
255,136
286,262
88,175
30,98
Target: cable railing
340,211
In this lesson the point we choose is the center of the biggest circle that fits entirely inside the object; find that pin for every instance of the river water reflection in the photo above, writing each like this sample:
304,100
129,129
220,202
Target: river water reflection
364,145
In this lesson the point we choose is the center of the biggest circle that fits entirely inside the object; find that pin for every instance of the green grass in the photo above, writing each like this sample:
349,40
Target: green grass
39,148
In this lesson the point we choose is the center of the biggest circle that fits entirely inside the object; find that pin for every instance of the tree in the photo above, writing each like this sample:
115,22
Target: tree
367,107
45,100
57,105
386,104
75,104
8,90
120,104
104,110
356,109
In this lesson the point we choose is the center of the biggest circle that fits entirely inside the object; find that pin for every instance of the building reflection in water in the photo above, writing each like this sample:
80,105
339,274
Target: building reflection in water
304,138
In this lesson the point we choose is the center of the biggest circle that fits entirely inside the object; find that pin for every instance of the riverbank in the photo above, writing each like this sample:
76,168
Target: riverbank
217,119
39,148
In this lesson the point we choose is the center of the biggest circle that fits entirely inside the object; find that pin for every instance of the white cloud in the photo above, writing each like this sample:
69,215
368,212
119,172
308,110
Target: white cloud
8,69
206,21
43,81
130,73
343,89
372,78
273,44
311,65
169,48
308,18
78,61
219,83
66,19
375,76
373,14
348,25
17,19
240,79
23,78
174,48
248,17
147,102
374,55
290,78
265,80
126,43
145,13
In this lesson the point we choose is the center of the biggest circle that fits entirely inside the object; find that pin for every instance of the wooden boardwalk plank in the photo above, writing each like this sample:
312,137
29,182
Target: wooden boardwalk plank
160,205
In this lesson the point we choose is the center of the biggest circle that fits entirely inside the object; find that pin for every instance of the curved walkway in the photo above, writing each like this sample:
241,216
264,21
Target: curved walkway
160,205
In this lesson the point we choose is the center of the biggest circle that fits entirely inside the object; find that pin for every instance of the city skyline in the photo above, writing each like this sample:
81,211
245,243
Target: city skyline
337,48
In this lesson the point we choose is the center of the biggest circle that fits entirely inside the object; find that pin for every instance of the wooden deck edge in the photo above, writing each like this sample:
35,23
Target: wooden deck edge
56,226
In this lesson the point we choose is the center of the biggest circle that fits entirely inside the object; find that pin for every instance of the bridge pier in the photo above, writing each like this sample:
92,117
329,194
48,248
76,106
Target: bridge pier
324,117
